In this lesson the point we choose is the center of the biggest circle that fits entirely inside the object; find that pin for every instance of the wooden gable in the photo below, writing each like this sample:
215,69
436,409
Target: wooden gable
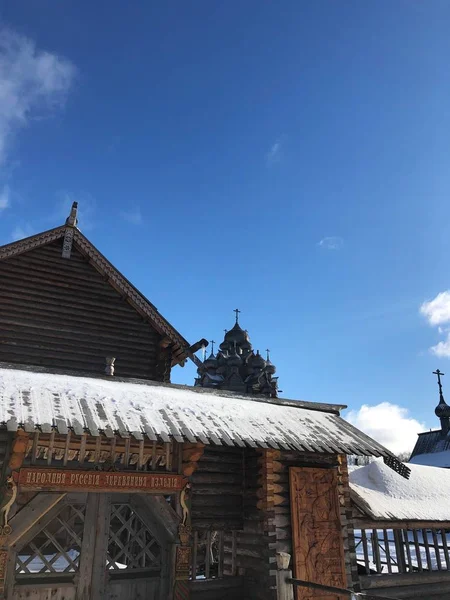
72,313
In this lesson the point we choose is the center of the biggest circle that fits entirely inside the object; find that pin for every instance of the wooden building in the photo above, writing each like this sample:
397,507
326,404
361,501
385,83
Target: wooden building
402,531
117,484
433,447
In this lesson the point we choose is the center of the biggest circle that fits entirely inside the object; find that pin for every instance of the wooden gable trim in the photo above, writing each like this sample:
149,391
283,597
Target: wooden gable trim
180,346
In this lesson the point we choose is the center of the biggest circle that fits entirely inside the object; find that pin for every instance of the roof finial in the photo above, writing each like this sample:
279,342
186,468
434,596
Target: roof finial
212,342
237,311
268,353
439,373
72,218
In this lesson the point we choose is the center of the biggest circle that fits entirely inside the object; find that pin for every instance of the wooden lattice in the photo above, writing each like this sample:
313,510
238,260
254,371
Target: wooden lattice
56,548
131,545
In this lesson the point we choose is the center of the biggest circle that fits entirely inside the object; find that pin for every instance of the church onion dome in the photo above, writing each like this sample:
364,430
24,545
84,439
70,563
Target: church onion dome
270,367
210,362
442,410
256,361
234,360
236,335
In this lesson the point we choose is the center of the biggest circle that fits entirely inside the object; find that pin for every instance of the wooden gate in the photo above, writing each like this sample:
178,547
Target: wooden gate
92,547
316,530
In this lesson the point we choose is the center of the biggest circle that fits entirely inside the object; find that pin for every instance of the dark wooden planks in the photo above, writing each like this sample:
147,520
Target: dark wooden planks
62,313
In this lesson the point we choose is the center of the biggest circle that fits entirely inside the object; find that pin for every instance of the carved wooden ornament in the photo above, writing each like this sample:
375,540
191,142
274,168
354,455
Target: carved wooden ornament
58,480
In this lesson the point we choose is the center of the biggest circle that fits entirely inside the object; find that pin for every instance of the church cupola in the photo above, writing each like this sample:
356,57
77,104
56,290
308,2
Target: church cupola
237,368
442,410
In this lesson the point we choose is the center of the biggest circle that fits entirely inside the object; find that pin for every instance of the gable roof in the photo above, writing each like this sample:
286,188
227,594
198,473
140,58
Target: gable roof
38,399
432,448
118,281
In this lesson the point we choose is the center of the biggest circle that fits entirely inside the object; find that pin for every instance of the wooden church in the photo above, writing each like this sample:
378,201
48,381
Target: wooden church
116,484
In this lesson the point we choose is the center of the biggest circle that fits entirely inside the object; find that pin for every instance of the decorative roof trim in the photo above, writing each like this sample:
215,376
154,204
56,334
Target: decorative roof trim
121,283
137,300
31,243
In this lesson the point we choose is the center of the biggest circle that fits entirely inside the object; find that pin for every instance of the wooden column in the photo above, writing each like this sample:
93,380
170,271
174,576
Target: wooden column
188,460
183,550
348,535
8,498
266,504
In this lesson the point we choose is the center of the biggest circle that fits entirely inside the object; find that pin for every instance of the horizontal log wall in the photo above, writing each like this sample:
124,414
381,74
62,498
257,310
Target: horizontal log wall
61,313
217,589
246,494
217,485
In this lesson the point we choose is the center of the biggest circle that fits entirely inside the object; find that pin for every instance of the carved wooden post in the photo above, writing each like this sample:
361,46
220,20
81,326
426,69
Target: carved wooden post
285,589
183,550
8,496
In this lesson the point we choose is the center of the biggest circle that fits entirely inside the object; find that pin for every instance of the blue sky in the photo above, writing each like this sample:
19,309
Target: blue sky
290,159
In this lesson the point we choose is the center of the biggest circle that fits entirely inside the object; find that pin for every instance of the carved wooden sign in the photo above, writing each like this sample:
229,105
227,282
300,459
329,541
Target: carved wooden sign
59,480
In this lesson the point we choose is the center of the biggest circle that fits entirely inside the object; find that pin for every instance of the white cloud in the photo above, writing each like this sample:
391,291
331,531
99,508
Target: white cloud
389,424
33,83
442,348
274,154
437,311
4,197
331,243
133,216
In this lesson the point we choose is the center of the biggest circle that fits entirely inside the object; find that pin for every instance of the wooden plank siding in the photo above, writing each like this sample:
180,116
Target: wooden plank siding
61,313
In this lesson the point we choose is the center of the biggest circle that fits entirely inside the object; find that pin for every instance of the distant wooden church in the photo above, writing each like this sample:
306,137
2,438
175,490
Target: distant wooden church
433,447
117,484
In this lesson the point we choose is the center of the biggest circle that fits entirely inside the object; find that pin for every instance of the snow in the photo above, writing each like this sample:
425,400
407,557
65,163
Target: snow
383,494
47,400
434,459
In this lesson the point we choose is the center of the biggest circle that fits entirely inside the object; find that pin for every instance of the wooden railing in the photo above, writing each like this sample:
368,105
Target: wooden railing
390,551
340,592
213,554
286,584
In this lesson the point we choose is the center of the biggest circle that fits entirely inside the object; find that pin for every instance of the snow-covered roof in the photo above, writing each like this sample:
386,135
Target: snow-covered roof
384,495
431,442
434,459
43,400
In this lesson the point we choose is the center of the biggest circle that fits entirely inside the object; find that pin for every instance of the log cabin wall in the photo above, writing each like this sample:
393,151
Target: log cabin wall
245,494
217,478
217,484
61,313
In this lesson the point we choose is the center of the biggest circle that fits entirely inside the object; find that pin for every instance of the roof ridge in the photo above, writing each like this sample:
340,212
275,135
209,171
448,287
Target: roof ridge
115,278
305,404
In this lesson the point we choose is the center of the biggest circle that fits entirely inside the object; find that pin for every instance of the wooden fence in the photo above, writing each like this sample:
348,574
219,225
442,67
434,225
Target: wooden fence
390,551
213,554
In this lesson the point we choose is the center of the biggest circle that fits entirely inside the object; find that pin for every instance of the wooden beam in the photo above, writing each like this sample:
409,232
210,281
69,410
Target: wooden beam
404,579
34,447
19,450
31,513
50,448
66,449
370,524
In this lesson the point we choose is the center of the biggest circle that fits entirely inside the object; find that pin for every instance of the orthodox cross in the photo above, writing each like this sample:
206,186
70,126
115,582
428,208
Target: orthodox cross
237,311
439,373
212,342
